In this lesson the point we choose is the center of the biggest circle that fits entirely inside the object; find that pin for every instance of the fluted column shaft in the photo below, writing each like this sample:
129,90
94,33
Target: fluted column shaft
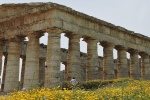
31,75
134,65
12,69
65,73
108,61
123,69
73,58
145,64
42,71
4,71
92,60
22,71
52,71
1,54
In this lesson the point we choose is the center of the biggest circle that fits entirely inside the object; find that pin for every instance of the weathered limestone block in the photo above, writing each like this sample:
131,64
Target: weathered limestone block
31,76
1,54
145,66
123,68
42,71
22,71
134,65
52,71
4,72
100,68
92,63
83,66
73,58
108,61
65,73
12,69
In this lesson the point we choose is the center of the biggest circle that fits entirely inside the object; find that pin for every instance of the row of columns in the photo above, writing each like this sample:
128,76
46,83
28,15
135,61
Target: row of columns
31,76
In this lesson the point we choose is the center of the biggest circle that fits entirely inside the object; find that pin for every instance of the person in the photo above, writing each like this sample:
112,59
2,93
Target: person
73,81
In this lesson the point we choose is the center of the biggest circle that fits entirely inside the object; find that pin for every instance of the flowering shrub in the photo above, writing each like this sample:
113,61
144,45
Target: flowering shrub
117,90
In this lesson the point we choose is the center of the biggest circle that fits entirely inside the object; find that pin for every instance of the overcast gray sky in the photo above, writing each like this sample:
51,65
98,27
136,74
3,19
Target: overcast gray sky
130,14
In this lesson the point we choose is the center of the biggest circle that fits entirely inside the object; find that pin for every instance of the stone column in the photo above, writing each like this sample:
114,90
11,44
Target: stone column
134,65
65,74
145,64
12,69
4,71
42,71
1,54
123,69
73,58
100,68
23,70
52,71
31,75
108,61
92,63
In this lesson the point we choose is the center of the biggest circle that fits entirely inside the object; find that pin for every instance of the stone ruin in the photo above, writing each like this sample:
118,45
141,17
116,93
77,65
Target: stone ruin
41,64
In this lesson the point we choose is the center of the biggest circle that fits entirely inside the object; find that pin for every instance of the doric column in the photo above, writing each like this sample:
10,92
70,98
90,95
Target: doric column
73,58
65,74
42,71
141,74
23,70
100,68
1,54
12,69
145,66
31,75
53,57
4,71
108,61
134,65
123,69
92,63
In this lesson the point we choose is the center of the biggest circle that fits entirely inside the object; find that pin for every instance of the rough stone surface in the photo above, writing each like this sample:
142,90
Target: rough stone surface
20,20
145,61
42,71
31,76
22,71
52,71
123,68
92,60
134,65
108,63
12,69
73,59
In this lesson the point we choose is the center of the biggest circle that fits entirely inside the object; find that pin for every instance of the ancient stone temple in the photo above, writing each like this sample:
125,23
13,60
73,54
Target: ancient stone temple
41,63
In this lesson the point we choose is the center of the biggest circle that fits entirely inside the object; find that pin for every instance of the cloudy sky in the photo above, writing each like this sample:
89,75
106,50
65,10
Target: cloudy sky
130,14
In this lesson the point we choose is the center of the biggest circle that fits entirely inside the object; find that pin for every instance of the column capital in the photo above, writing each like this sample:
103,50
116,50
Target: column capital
37,34
65,63
106,44
23,56
119,47
42,58
74,36
16,39
142,54
54,31
2,42
89,39
132,51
